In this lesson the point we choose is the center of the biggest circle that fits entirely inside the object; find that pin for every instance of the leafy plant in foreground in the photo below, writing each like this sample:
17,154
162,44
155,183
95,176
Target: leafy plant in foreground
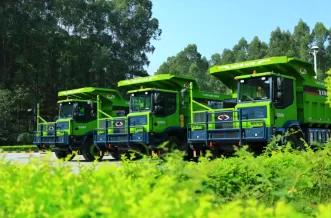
278,184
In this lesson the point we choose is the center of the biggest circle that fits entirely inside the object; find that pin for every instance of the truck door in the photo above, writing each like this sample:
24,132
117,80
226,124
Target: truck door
284,101
166,113
81,118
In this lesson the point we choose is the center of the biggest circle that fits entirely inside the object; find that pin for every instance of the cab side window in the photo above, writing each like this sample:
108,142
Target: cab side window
283,95
165,104
80,112
92,112
84,112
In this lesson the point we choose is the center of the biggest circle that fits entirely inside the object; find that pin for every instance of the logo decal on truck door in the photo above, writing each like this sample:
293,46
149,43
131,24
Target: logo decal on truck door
110,96
223,117
118,124
303,71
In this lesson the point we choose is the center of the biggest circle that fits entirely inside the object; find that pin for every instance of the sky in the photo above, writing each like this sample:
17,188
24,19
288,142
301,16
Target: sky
214,25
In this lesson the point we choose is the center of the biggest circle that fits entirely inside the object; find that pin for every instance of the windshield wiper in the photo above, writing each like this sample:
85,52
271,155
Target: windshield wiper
248,97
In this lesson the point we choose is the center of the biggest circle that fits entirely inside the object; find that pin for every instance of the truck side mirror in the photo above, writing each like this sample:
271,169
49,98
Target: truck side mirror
35,114
91,104
280,83
182,97
279,96
75,107
75,110
157,98
158,109
56,118
92,108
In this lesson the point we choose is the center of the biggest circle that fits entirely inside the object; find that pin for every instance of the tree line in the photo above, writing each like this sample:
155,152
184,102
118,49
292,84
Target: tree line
293,44
48,46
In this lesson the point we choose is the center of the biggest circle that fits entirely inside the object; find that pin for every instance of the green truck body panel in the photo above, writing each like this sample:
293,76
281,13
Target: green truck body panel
92,104
292,96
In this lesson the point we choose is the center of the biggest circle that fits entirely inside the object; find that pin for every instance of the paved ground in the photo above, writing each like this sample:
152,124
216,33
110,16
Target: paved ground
25,158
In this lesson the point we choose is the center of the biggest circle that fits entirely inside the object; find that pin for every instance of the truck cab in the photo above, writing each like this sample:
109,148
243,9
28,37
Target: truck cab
267,95
78,114
157,112
261,105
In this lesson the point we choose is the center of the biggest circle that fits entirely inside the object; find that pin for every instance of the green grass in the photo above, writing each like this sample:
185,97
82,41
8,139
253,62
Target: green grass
277,184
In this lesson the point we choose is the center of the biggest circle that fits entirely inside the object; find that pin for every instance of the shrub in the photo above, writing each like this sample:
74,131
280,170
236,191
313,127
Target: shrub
19,148
277,184
24,138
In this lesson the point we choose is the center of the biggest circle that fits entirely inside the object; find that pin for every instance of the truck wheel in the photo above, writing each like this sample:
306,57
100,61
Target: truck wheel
115,155
90,151
173,144
295,139
64,155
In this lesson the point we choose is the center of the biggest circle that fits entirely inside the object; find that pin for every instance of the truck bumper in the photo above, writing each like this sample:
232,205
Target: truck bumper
121,140
221,136
60,141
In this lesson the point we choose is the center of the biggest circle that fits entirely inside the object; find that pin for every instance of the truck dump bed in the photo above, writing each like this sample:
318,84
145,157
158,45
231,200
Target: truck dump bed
92,93
162,81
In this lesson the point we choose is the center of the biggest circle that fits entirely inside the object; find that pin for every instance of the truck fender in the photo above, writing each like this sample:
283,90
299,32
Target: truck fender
294,123
291,123
87,136
175,131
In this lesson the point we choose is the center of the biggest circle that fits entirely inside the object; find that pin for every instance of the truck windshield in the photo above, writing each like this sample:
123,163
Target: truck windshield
65,110
254,89
140,101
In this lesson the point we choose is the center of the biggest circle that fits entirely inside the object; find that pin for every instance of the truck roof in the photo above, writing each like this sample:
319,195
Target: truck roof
87,93
161,81
301,70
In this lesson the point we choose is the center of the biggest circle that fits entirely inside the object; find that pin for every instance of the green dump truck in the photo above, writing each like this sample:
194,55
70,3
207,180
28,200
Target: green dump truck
274,96
79,110
161,107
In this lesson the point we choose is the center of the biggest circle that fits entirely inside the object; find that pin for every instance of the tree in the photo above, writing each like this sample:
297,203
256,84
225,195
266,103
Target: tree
215,59
256,49
240,50
228,57
320,36
187,62
50,45
11,108
302,40
281,43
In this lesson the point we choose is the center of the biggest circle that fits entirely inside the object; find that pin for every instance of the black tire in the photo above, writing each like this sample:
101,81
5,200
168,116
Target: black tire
173,144
118,155
295,137
115,155
90,151
64,155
